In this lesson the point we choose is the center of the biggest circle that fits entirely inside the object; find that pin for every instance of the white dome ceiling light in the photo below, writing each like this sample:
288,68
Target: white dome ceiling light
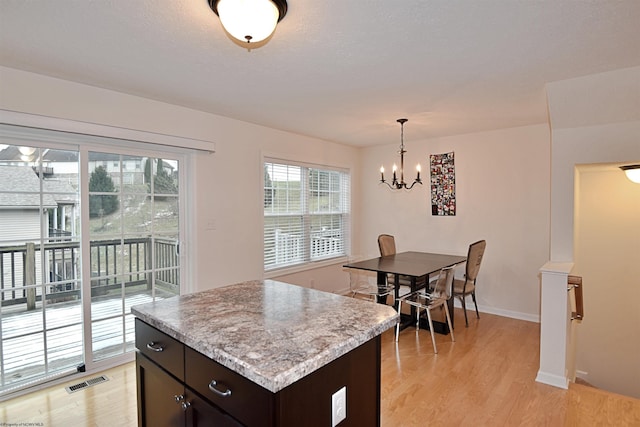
249,21
632,172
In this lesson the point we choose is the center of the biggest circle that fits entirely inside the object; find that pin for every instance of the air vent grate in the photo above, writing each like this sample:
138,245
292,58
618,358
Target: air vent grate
87,383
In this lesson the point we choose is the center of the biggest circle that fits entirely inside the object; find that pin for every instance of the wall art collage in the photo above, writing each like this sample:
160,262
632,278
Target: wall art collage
443,184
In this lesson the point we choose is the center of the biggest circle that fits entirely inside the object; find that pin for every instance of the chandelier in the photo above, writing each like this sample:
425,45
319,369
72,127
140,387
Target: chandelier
395,183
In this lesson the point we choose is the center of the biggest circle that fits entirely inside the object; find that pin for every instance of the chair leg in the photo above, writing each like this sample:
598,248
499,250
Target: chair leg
433,338
417,318
464,309
473,295
446,312
398,324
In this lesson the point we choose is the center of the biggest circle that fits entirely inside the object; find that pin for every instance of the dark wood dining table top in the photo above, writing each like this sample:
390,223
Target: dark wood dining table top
416,264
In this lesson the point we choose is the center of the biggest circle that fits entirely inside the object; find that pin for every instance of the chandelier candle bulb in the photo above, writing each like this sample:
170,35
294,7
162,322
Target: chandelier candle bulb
418,168
381,173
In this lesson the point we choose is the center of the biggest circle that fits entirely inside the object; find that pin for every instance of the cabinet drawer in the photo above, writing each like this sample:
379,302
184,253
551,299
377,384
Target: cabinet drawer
248,402
161,348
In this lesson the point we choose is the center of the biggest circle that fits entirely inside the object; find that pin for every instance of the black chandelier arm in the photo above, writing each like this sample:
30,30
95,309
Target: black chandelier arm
398,185
416,181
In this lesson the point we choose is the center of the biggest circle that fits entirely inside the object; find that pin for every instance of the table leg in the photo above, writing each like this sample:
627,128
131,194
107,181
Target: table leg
382,281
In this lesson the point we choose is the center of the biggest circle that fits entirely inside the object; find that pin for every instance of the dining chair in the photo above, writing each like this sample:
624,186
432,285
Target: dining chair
466,285
427,301
362,287
387,246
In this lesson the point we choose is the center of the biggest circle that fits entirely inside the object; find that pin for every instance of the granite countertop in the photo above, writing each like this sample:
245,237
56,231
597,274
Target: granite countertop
270,332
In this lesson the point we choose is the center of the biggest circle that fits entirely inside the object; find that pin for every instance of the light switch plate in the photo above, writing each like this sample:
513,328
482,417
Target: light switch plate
338,406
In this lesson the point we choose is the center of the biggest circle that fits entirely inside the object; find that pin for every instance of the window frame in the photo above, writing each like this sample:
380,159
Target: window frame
306,216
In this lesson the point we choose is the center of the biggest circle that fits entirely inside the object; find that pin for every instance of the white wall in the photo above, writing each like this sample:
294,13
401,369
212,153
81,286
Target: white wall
502,187
596,121
227,188
502,190
577,109
607,253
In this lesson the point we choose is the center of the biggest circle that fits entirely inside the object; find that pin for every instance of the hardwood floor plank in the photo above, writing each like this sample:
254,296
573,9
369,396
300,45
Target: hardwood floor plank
111,403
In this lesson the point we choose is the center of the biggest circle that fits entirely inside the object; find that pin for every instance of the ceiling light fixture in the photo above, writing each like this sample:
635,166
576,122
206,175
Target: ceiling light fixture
632,172
395,184
249,21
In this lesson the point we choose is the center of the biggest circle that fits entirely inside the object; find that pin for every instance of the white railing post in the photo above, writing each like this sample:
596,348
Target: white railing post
555,324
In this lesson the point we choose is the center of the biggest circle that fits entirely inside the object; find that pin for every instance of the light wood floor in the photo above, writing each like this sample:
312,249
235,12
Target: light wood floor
485,378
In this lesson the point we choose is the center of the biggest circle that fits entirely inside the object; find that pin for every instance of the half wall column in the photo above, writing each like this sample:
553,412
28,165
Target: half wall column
555,324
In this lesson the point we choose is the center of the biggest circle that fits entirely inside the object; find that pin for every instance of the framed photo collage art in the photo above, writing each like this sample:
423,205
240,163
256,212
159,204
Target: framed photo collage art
443,184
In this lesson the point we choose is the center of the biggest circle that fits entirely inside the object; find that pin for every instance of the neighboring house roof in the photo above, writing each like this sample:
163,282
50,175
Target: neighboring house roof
12,154
103,157
65,194
60,156
24,185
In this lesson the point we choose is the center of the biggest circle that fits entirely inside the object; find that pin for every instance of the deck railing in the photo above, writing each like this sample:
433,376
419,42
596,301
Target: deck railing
131,262
290,246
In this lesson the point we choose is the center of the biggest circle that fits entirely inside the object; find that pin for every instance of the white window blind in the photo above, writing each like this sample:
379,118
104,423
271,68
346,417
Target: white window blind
306,213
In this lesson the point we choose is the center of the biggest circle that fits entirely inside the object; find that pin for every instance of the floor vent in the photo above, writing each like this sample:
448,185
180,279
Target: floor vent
87,383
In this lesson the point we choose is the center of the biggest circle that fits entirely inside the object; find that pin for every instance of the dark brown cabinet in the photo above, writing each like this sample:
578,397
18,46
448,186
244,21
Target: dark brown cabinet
158,394
164,401
178,386
163,397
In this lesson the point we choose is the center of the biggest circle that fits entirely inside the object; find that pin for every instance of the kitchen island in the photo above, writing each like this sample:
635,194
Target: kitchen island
260,353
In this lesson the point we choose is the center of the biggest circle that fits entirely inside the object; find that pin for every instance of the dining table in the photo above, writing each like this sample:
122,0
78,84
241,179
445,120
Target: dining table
419,267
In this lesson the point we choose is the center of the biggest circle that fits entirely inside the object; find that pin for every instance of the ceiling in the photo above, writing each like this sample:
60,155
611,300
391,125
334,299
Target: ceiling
339,70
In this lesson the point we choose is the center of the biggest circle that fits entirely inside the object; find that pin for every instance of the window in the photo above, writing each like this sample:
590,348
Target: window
306,213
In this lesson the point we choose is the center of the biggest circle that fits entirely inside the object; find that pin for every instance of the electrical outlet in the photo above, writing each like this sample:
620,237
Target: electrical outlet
338,406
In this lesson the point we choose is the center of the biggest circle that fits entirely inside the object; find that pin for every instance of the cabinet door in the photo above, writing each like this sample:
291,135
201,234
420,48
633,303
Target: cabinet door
201,414
159,396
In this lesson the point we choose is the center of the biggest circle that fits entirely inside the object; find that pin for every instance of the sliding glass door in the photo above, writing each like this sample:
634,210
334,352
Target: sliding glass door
85,234
134,234
41,326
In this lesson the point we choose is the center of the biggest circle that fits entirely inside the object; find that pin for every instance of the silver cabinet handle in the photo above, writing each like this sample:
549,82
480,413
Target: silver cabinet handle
178,397
212,387
185,406
154,347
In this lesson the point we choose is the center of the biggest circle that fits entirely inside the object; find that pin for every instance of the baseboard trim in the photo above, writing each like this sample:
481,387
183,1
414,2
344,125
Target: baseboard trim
535,318
552,379
500,312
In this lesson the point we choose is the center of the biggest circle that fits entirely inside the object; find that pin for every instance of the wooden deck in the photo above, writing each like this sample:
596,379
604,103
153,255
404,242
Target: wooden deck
23,357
